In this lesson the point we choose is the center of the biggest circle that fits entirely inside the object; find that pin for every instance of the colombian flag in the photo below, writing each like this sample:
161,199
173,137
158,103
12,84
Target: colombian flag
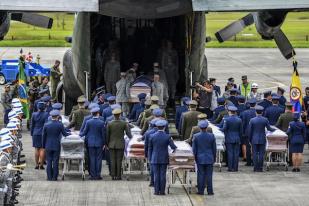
22,88
295,90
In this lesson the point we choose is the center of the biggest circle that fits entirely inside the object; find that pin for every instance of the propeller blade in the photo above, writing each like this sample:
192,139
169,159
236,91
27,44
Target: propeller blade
284,44
33,19
234,28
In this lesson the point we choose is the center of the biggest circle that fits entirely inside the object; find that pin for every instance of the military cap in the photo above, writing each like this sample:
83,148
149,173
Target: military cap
193,102
41,105
232,108
252,101
12,114
99,88
141,96
203,124
281,89
42,91
244,77
92,105
111,98
202,116
11,126
234,90
106,96
155,106
148,102
259,108
185,99
116,111
54,112
4,131
95,109
81,99
275,97
157,112
5,144
220,100
241,98
154,98
115,106
161,123
153,121
46,98
57,106
15,100
156,69
229,104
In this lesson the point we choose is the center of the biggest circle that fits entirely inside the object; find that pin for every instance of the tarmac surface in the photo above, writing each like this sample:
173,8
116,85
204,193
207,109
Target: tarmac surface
275,187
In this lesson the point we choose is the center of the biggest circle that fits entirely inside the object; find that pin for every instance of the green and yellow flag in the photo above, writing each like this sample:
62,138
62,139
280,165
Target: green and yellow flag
22,87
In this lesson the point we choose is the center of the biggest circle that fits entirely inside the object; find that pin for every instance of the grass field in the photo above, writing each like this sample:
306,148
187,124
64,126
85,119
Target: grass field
296,27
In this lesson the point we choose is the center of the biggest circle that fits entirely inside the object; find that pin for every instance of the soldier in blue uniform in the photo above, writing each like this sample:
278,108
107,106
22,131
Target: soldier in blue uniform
267,100
297,134
158,151
42,93
282,99
204,150
257,137
220,108
246,116
181,109
52,133
48,106
306,99
232,98
272,113
138,108
107,112
38,120
241,104
94,133
105,104
56,106
232,129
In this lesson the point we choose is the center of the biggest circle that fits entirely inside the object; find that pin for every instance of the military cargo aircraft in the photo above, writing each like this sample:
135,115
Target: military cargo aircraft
138,28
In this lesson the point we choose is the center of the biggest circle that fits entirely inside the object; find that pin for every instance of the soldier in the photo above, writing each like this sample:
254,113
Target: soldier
306,99
245,87
111,74
181,109
55,75
44,85
171,70
47,100
232,128
107,112
232,98
163,79
157,89
123,93
138,108
156,113
95,137
6,99
257,137
282,99
148,112
105,103
37,122
79,115
285,118
241,104
52,133
267,100
158,151
56,106
246,116
204,149
220,108
188,120
115,141
273,112
42,93
196,129
141,117
216,87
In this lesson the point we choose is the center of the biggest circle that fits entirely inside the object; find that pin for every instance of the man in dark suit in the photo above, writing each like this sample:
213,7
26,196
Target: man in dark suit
204,150
158,151
52,133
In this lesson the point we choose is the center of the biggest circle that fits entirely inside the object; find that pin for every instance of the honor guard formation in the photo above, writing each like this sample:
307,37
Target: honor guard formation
149,130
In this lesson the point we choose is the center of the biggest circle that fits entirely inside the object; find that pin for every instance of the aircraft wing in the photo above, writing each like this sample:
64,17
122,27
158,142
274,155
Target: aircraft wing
248,5
50,5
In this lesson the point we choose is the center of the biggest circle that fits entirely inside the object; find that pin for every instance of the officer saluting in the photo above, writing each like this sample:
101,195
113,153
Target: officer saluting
257,137
52,133
95,137
158,151
232,128
114,139
204,149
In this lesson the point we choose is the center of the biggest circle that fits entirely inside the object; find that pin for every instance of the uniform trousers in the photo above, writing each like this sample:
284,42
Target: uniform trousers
111,87
232,156
258,156
204,177
52,161
248,150
159,172
95,160
116,156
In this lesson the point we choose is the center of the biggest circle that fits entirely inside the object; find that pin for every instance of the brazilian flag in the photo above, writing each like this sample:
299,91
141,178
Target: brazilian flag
22,87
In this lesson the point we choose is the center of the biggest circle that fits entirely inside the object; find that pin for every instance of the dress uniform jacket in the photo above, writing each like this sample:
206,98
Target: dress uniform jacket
273,113
232,127
284,121
297,132
52,134
107,112
282,101
256,130
179,111
88,117
217,111
146,138
102,107
241,108
195,130
189,120
220,116
38,120
115,133
94,132
234,100
137,109
246,116
265,103
204,148
78,118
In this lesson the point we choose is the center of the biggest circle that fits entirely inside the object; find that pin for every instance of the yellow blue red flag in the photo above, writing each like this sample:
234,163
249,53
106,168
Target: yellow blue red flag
22,87
295,91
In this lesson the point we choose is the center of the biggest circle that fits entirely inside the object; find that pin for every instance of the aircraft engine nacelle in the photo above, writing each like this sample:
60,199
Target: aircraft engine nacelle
268,23
4,24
